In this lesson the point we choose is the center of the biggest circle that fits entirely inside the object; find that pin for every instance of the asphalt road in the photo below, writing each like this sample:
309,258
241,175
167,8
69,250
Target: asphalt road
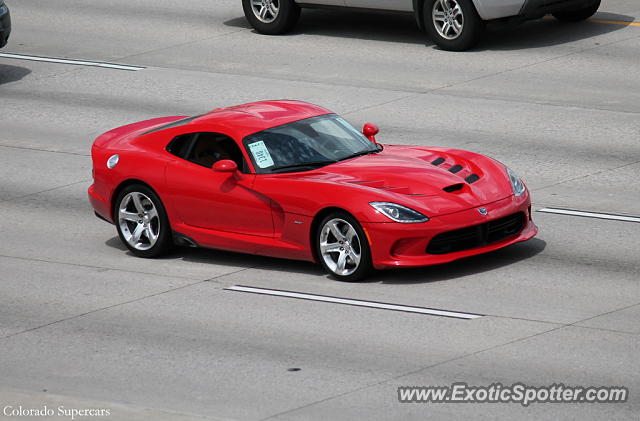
85,324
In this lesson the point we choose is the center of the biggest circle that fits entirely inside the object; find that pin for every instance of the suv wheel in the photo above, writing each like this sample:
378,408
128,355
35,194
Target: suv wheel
271,17
453,24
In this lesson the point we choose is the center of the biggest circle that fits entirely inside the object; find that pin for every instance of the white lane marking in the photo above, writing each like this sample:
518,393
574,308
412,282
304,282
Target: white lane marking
599,215
73,62
349,301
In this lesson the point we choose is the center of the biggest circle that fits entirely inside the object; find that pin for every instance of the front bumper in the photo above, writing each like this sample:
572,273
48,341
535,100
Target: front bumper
100,204
404,245
5,25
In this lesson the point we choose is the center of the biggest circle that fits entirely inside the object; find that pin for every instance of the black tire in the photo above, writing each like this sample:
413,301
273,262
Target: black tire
578,15
472,25
287,16
364,267
158,224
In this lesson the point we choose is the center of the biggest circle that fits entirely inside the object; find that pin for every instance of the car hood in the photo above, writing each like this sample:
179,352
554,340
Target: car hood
408,176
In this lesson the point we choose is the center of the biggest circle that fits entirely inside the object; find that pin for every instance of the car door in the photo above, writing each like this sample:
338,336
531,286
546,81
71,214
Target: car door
401,5
205,198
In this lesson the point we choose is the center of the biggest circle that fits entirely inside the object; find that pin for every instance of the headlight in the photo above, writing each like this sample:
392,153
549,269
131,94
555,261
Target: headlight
516,183
399,213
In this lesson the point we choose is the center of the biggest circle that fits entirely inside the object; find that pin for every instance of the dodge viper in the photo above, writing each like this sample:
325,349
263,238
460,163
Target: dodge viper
293,180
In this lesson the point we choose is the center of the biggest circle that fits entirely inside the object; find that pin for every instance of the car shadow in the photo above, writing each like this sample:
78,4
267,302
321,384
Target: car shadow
548,32
464,267
367,25
221,257
10,74
402,28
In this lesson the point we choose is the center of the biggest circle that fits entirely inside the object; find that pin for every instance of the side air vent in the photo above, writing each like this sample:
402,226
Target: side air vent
453,187
437,161
455,169
472,178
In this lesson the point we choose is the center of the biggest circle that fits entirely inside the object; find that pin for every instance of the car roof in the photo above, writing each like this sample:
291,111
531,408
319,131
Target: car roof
245,119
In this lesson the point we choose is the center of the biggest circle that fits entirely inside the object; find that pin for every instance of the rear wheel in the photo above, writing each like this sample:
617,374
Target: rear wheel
453,24
343,249
578,15
271,17
142,222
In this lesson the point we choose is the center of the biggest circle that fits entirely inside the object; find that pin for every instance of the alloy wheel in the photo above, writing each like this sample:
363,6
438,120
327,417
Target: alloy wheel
340,247
139,221
448,18
265,10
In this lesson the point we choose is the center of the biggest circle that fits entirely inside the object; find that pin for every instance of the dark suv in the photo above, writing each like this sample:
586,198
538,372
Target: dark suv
5,24
452,24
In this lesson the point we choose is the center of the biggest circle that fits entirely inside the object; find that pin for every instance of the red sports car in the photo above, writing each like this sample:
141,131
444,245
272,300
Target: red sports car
293,180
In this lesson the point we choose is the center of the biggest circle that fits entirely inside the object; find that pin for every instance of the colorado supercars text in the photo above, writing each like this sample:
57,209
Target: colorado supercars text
45,411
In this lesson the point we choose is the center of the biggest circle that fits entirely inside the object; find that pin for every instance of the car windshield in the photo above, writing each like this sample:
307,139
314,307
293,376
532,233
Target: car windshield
306,144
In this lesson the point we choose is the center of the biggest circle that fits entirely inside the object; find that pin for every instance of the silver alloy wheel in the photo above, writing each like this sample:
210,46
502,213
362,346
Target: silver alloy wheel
265,10
139,221
340,247
448,18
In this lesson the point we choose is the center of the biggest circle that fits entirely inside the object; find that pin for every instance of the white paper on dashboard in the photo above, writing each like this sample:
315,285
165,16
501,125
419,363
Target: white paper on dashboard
261,154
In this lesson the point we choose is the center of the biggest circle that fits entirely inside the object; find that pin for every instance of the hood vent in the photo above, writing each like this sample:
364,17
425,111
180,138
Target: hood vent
453,187
472,178
456,168
437,161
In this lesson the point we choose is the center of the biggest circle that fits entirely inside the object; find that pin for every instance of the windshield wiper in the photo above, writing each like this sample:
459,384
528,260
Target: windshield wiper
360,154
303,164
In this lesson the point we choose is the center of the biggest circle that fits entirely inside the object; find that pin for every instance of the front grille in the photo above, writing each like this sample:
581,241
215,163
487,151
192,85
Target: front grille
477,235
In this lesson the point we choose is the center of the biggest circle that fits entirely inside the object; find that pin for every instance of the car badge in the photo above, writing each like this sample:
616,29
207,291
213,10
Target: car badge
483,211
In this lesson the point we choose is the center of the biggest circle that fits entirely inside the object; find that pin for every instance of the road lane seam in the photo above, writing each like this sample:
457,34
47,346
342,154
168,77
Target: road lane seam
74,62
44,191
33,149
131,301
355,302
587,214
100,268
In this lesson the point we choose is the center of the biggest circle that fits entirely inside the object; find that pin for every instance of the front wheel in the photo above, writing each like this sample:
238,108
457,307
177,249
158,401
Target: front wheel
142,222
578,15
271,17
342,247
453,25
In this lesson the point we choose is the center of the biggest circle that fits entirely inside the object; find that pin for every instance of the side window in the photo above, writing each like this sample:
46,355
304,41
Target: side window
212,147
179,146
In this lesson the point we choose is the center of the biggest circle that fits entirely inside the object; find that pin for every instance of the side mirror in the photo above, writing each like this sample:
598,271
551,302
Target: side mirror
225,165
370,130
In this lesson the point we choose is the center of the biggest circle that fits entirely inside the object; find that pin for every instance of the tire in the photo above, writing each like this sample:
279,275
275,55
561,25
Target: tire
454,25
279,16
578,15
139,212
342,247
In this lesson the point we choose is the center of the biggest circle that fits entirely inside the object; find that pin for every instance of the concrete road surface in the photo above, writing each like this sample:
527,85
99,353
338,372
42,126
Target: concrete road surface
84,324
